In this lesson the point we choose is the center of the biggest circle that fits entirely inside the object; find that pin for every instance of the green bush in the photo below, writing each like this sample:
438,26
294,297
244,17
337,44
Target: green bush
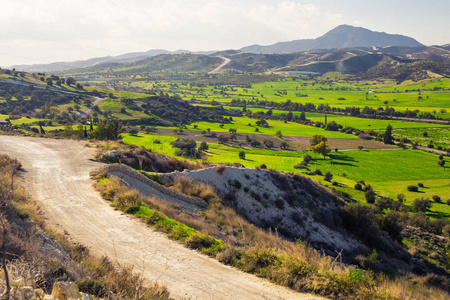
413,188
370,196
328,176
421,204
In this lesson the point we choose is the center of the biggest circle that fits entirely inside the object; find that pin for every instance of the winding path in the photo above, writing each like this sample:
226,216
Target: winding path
57,177
226,61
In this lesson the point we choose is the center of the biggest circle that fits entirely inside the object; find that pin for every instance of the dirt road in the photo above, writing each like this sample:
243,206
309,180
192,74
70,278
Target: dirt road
57,176
226,61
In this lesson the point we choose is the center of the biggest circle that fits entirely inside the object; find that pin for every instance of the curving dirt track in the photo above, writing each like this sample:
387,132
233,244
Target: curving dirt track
57,176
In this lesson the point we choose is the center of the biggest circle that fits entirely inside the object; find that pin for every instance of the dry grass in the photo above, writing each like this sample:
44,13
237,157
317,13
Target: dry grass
220,169
267,255
97,276
295,265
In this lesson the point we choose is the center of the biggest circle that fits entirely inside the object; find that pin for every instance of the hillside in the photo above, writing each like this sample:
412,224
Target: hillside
343,36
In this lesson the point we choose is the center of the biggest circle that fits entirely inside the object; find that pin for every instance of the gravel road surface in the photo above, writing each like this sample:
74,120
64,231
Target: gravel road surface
57,177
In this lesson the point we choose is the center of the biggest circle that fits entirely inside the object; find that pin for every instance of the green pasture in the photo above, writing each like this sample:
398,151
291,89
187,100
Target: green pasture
389,172
287,129
349,121
434,93
439,136
148,141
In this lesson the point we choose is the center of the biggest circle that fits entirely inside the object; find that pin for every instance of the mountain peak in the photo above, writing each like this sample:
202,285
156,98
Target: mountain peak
343,36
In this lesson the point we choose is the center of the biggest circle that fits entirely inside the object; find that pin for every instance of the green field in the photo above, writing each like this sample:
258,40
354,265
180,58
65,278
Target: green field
427,96
287,129
389,172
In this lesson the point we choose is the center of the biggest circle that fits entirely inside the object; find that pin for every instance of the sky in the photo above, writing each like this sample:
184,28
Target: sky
44,31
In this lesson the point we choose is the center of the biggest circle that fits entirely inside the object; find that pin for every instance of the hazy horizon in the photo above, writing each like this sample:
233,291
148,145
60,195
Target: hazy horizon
45,31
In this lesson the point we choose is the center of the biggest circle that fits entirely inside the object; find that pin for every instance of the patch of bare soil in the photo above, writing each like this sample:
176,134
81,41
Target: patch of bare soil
341,144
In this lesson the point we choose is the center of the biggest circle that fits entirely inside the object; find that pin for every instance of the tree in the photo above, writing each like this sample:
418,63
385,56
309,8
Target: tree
222,139
68,130
328,176
316,139
442,163
302,116
306,159
70,81
284,145
268,144
278,134
332,126
387,136
79,132
421,204
322,148
41,130
241,154
203,146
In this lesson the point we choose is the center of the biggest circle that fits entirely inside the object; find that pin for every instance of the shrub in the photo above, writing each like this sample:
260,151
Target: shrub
317,172
392,223
280,203
421,204
220,169
370,196
358,187
436,198
413,188
156,141
241,154
263,166
303,167
448,202
328,176
203,146
420,184
367,188
223,139
201,241
335,183
306,159
237,184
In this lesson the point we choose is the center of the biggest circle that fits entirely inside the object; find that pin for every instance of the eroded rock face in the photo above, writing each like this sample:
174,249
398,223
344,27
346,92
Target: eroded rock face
295,206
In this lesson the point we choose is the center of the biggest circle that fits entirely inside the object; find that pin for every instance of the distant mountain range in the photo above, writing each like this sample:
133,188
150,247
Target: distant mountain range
328,52
343,36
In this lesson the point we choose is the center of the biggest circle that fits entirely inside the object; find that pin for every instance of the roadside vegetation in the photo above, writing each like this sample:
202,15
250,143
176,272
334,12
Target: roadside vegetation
22,241
221,232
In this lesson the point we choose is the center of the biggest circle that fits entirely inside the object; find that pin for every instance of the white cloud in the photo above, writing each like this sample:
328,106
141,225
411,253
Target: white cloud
50,30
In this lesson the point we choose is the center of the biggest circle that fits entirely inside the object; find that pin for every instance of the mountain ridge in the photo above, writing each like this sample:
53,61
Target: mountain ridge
343,36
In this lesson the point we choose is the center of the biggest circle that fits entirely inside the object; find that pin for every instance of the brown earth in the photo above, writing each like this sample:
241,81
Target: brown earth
341,144
56,175
295,142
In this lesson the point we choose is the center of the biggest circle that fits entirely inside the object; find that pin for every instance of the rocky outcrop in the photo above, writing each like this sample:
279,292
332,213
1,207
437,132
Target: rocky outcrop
22,290
148,187
294,206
